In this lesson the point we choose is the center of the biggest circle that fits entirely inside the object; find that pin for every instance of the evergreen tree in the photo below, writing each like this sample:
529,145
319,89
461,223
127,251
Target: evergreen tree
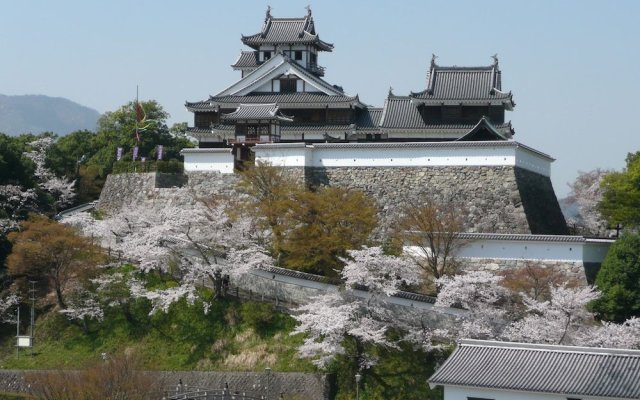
619,280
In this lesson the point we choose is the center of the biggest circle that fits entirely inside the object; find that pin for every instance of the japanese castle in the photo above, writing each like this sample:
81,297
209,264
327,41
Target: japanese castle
448,140
281,97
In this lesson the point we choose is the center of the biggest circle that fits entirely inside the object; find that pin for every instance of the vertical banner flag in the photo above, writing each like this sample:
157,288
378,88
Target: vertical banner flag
140,116
135,153
159,152
119,154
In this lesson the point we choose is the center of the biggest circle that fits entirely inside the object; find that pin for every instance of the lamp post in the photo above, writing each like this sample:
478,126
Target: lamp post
268,371
358,379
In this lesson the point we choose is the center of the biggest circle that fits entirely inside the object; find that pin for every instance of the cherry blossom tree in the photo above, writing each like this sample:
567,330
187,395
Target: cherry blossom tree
7,305
610,334
554,321
15,201
61,189
82,307
480,293
586,193
195,244
359,312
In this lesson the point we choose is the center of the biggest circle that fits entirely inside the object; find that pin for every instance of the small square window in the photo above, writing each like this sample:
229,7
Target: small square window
267,55
298,55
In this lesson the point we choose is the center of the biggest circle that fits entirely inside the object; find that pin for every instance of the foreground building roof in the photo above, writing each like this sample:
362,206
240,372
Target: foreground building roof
566,370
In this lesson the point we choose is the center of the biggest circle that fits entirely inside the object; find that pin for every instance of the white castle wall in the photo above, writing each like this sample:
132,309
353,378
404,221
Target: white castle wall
330,155
207,160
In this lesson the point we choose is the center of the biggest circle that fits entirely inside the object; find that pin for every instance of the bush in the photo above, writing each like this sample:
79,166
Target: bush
259,316
619,280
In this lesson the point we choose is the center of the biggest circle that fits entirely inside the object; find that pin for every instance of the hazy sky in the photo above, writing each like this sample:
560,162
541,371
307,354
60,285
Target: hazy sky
573,66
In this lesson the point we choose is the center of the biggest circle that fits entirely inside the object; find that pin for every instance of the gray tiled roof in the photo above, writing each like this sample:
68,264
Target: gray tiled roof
401,112
466,85
522,237
247,59
256,112
287,31
284,100
369,118
565,370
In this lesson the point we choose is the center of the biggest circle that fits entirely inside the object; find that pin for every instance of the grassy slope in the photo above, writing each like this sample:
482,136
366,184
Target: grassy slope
233,336
230,337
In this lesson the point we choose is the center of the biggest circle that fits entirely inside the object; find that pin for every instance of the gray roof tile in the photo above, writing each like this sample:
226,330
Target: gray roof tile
401,112
256,112
565,370
247,59
287,31
369,118
465,85
522,237
284,100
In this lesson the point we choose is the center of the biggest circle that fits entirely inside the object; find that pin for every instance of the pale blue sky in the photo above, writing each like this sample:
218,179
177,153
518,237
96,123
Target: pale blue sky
572,65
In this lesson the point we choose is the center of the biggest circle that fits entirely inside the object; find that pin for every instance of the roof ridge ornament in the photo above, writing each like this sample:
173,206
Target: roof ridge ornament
495,60
433,60
308,8
390,91
268,14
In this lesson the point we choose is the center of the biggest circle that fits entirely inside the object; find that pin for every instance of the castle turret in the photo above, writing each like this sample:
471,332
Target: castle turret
296,38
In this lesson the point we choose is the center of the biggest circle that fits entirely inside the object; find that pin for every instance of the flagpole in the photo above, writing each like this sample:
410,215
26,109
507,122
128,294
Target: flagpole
135,108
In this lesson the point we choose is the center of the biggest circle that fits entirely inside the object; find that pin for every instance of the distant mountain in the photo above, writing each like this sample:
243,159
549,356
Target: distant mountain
38,113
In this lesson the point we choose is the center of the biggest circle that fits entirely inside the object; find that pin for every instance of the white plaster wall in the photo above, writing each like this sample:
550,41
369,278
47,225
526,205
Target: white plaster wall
267,87
411,156
595,250
214,160
462,393
355,156
283,156
523,250
533,162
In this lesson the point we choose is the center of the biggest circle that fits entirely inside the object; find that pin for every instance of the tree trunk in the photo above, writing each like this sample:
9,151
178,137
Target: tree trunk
59,298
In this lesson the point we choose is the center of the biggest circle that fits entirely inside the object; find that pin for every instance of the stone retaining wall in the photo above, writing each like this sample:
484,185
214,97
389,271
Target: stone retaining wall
292,385
498,199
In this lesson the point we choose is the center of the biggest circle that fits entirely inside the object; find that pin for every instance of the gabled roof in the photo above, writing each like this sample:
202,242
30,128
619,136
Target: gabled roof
276,66
566,370
247,59
464,85
284,100
287,31
246,112
401,112
484,130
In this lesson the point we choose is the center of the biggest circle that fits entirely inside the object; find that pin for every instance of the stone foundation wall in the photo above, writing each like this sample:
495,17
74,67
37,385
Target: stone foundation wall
497,199
121,190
